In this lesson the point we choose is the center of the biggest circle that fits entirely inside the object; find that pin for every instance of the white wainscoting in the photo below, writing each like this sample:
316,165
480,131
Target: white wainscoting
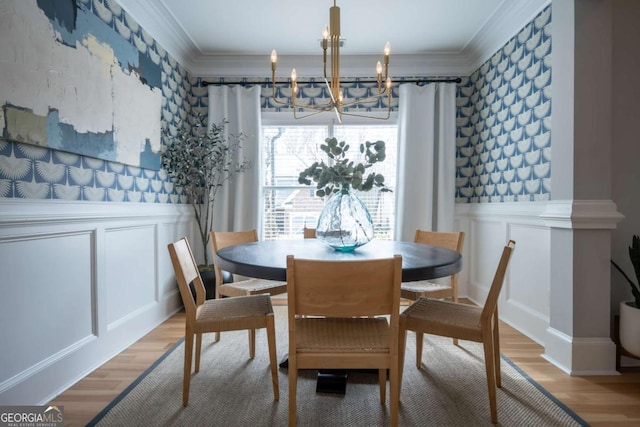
80,282
524,300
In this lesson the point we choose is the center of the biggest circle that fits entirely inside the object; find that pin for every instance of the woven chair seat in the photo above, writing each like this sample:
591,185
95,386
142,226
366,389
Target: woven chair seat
231,314
444,318
368,335
252,287
422,286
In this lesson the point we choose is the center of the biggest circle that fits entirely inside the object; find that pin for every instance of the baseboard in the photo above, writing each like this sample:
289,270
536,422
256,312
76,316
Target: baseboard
580,356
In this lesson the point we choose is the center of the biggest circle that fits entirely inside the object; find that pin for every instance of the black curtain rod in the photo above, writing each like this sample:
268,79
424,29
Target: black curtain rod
417,81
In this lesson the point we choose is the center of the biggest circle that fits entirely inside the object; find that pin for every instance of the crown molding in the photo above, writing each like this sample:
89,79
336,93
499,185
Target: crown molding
506,22
159,22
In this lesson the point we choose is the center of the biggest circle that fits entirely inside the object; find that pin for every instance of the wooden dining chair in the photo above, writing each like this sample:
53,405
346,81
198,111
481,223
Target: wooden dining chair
465,322
309,233
252,286
431,289
216,315
428,288
333,323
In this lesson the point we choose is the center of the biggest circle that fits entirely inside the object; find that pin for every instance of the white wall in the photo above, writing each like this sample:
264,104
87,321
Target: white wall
81,282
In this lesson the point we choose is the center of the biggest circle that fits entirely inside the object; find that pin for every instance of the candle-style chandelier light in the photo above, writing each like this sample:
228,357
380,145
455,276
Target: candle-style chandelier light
337,102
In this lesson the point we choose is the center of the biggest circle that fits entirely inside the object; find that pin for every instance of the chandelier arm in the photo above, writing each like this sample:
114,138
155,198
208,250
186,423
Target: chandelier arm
346,113
366,100
295,115
313,107
325,106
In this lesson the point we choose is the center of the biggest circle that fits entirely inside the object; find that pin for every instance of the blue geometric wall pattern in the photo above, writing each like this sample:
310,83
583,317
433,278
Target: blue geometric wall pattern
504,122
28,171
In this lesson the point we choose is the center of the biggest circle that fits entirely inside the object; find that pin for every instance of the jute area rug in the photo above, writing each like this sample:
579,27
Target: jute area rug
232,390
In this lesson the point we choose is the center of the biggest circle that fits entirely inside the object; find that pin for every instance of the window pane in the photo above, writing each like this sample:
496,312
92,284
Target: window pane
289,150
289,206
288,211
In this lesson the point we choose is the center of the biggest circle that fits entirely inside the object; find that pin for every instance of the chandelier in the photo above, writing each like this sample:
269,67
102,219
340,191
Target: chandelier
337,102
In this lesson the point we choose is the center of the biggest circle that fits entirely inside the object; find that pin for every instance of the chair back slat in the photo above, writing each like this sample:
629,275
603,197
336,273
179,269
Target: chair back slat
222,239
186,270
309,233
448,240
491,302
343,288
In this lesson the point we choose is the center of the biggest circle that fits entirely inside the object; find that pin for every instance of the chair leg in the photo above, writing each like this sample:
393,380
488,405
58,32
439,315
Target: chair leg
252,343
394,390
419,343
491,375
454,288
271,340
198,351
496,353
293,383
402,344
188,354
382,379
217,336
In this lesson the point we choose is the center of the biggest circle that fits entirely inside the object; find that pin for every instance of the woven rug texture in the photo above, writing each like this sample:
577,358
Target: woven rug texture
232,390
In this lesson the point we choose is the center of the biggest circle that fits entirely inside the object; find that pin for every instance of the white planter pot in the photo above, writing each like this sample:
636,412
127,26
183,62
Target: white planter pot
630,327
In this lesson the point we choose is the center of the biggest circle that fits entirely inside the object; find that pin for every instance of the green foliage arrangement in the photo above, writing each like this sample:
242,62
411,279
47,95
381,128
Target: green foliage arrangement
634,256
343,174
201,160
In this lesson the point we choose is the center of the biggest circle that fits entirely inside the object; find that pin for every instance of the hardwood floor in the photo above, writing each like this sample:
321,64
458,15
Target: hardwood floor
600,400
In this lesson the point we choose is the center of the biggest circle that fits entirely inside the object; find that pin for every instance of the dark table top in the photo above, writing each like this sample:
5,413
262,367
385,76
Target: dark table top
268,259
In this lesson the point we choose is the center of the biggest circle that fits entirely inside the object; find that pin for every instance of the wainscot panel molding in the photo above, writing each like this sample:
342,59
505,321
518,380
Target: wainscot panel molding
556,289
524,300
81,281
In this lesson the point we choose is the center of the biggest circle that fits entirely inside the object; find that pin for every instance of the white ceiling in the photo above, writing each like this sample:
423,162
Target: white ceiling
235,37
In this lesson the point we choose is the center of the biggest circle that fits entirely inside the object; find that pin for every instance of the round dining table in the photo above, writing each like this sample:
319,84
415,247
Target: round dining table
268,259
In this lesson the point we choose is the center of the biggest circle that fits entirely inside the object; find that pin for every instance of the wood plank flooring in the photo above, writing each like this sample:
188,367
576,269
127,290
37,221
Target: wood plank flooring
602,401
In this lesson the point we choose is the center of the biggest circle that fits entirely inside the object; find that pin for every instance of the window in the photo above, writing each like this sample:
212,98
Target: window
289,147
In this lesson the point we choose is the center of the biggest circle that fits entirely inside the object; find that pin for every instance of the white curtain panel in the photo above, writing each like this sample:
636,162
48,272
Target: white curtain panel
425,190
236,204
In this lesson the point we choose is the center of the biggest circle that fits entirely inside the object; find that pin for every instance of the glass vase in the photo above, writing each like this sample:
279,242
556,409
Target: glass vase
344,223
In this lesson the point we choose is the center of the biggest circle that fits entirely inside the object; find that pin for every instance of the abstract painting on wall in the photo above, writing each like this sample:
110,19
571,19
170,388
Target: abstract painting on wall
71,82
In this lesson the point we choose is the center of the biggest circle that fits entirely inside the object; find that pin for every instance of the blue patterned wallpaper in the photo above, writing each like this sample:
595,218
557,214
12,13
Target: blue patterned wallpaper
28,171
504,122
